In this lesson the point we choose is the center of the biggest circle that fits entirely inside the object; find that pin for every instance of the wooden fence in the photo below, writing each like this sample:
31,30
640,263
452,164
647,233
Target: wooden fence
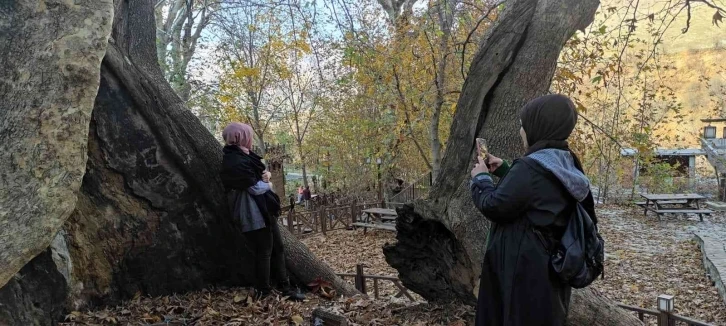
301,221
362,286
415,190
665,316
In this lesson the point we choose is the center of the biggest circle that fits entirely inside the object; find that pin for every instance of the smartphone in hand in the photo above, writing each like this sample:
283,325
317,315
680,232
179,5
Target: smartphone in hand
482,150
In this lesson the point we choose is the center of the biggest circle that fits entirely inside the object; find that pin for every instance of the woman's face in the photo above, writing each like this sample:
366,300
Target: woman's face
524,137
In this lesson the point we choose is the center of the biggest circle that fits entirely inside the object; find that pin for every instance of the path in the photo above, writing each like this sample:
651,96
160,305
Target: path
646,257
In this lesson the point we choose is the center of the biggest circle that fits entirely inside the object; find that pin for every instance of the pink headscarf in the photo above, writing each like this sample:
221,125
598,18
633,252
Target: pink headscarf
238,134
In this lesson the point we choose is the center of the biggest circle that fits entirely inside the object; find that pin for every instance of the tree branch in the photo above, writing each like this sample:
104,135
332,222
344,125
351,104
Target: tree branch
595,126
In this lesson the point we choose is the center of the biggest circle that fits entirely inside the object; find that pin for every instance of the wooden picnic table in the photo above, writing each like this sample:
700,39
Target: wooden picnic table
381,211
377,218
673,204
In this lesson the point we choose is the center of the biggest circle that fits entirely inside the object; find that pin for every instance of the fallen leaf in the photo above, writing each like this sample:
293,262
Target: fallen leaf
250,300
137,296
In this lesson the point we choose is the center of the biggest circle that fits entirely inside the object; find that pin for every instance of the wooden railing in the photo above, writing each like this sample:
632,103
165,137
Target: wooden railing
361,285
417,189
718,143
715,150
301,221
663,317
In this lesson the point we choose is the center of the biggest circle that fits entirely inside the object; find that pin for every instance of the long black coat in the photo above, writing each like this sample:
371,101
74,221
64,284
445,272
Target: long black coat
529,209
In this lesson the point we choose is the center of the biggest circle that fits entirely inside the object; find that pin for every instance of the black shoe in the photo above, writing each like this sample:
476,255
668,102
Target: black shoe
293,294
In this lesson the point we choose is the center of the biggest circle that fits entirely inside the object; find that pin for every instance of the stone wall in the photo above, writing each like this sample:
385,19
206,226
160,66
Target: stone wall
714,261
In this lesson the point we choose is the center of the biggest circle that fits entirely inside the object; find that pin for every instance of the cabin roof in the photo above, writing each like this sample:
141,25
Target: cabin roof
666,152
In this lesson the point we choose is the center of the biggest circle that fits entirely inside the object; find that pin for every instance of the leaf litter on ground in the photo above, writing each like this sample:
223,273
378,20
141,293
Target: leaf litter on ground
645,258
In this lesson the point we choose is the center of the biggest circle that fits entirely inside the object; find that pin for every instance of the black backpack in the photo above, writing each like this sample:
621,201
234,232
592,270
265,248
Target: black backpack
578,258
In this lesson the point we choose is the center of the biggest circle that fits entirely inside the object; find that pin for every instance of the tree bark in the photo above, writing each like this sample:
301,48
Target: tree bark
50,54
151,215
441,240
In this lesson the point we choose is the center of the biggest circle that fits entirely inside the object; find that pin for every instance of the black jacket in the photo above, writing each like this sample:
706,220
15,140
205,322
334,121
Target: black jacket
529,209
241,171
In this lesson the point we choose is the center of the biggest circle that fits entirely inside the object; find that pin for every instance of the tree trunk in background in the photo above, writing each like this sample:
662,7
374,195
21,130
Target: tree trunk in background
397,8
302,164
50,54
151,215
445,12
179,25
261,145
441,240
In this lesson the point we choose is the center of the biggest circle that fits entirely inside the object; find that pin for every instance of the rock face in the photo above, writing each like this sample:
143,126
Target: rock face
50,54
35,295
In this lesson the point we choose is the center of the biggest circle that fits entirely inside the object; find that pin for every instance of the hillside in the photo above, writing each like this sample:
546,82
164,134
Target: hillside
698,58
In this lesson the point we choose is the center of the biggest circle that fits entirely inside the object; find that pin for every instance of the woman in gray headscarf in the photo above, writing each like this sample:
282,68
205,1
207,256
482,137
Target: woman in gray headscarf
529,210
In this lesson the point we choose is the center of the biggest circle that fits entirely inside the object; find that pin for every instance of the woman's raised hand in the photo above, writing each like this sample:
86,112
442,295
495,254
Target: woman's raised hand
494,162
479,168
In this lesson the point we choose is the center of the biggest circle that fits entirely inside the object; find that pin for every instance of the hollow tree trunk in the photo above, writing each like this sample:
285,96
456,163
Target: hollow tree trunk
49,72
441,240
151,215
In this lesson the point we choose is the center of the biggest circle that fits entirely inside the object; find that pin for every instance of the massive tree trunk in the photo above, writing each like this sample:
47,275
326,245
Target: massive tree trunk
151,216
441,240
50,53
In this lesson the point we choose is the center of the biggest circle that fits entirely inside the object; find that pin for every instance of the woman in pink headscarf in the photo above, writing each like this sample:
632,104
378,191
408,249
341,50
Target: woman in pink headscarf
255,209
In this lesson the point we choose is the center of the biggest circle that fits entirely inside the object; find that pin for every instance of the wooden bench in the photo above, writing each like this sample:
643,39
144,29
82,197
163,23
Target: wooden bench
684,211
689,204
378,216
664,202
365,226
381,211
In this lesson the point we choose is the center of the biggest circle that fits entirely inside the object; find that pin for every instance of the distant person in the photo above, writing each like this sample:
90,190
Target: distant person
300,191
398,186
529,210
255,209
307,195
292,201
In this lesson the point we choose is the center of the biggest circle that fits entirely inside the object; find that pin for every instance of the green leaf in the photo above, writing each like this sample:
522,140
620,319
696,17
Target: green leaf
602,29
597,79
